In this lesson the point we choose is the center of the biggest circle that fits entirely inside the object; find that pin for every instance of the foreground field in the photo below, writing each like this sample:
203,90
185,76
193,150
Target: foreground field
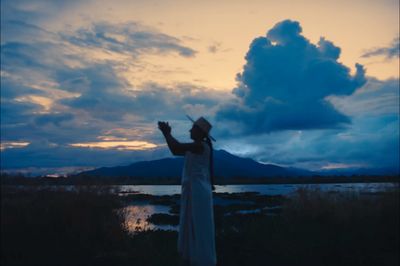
87,227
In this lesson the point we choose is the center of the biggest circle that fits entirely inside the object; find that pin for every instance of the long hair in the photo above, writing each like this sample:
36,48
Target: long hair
208,140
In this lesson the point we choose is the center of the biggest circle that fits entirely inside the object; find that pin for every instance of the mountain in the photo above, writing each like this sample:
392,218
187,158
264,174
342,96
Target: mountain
226,167
366,171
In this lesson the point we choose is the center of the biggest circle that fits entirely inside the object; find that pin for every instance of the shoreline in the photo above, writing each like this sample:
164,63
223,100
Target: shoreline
310,228
5,180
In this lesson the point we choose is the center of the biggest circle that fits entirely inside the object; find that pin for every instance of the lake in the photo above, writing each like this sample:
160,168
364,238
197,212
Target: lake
136,213
275,189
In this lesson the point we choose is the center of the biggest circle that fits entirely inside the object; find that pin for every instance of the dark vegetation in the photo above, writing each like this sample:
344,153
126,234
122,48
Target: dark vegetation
20,179
162,218
44,227
86,227
315,228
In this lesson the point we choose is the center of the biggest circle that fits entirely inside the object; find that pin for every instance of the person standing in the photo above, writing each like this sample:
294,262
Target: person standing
196,238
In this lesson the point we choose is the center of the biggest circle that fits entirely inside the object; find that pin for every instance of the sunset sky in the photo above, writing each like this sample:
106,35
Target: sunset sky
310,84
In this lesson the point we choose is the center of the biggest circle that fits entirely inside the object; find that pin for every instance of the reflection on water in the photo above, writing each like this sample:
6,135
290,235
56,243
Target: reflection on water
272,189
268,211
136,217
156,190
280,189
137,213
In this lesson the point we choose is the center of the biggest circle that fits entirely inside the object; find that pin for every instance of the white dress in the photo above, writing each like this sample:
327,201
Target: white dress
196,240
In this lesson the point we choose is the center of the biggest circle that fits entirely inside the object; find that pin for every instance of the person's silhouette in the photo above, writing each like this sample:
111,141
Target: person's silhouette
196,240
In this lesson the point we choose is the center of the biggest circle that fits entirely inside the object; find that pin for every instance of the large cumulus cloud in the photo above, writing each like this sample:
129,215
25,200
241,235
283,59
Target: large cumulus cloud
285,82
372,140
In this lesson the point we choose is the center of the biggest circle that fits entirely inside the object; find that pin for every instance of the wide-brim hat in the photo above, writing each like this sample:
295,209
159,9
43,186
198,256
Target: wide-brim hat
203,124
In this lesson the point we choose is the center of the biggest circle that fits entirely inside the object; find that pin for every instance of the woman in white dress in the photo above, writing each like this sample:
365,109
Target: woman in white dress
196,239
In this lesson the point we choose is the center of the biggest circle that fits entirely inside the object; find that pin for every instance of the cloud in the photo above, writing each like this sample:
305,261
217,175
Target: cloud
61,88
129,38
54,118
55,67
108,132
375,98
20,21
105,95
45,154
13,112
215,47
372,140
119,145
370,143
13,145
390,52
75,87
285,82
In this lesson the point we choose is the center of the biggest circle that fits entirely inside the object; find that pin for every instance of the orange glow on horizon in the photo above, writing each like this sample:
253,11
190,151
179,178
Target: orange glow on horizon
119,145
332,166
13,144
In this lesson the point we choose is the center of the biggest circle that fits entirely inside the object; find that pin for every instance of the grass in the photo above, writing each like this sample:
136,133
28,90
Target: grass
46,227
316,228
162,218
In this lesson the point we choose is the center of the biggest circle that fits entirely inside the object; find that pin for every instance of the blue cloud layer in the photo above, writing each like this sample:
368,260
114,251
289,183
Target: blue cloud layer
372,140
88,98
131,38
392,51
285,81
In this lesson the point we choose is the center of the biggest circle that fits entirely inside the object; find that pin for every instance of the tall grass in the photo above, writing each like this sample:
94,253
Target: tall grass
316,228
58,227
84,227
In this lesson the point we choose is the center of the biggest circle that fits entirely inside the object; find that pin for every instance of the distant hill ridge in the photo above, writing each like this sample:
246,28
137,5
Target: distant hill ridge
226,166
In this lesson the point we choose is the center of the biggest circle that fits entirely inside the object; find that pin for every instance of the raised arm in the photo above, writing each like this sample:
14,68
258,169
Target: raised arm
175,146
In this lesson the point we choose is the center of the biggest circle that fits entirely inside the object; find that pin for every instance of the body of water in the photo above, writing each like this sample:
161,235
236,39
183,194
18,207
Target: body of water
136,217
280,189
138,212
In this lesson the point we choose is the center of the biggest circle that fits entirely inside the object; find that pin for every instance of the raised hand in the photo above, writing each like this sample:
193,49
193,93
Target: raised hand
164,127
